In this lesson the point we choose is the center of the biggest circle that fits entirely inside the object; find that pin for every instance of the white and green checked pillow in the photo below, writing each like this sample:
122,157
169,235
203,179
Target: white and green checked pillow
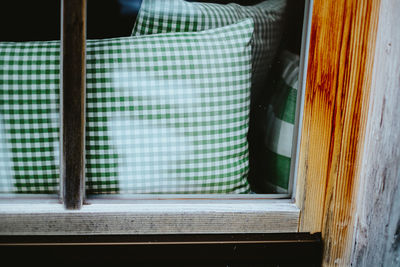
29,117
280,122
165,113
168,113
160,16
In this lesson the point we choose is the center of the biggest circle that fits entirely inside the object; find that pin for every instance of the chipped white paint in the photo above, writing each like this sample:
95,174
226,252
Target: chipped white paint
376,240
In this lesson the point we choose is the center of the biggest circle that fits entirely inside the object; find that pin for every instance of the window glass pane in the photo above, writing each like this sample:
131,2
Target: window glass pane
192,97
29,97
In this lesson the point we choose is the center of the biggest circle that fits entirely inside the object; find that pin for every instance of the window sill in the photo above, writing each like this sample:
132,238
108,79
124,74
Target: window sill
190,216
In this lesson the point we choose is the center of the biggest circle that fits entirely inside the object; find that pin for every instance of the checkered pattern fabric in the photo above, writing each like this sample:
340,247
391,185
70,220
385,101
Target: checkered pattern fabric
280,122
29,117
168,113
165,113
160,16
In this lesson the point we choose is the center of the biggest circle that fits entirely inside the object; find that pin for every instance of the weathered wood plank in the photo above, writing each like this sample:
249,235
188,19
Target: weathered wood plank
377,234
73,93
336,102
150,218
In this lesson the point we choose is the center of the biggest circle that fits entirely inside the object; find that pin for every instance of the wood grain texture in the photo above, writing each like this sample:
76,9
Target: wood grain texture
377,234
149,218
73,94
339,71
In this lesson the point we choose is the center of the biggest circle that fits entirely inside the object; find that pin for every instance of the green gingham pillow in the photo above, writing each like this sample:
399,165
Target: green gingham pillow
160,16
165,113
29,117
168,113
280,122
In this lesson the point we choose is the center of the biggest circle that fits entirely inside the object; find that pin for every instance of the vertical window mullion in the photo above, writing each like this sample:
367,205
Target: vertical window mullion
73,91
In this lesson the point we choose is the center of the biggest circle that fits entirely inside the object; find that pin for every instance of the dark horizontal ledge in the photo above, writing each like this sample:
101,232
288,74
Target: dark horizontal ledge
177,239
171,250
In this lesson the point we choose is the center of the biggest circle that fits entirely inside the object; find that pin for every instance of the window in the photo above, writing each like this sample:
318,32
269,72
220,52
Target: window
339,71
114,153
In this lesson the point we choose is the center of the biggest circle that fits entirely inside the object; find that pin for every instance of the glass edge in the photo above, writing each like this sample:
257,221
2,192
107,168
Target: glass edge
307,20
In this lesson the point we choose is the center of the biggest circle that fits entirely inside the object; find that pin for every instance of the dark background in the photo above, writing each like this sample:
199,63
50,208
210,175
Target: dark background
34,20
31,20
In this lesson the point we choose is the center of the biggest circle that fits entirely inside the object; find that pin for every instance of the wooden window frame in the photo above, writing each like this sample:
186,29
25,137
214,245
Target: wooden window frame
140,214
73,102
341,51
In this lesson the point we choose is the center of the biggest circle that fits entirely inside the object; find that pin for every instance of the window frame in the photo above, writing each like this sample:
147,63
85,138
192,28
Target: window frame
139,214
337,107
317,187
72,102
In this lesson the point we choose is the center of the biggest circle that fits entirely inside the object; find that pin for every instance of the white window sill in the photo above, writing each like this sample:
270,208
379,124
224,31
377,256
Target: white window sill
192,216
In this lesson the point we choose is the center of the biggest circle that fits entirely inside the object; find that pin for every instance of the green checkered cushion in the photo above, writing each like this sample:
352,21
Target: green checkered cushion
168,113
29,117
160,16
165,113
280,122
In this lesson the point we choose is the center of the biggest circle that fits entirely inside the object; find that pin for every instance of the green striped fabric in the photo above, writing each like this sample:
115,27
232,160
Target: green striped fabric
160,16
280,123
165,113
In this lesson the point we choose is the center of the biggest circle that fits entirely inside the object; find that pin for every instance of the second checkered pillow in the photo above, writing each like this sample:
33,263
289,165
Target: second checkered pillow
280,121
160,16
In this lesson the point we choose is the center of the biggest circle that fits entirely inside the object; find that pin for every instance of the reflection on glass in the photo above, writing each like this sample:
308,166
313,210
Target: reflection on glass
6,175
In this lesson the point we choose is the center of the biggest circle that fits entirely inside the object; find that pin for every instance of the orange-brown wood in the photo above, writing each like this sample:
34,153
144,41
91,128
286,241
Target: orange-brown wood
339,72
